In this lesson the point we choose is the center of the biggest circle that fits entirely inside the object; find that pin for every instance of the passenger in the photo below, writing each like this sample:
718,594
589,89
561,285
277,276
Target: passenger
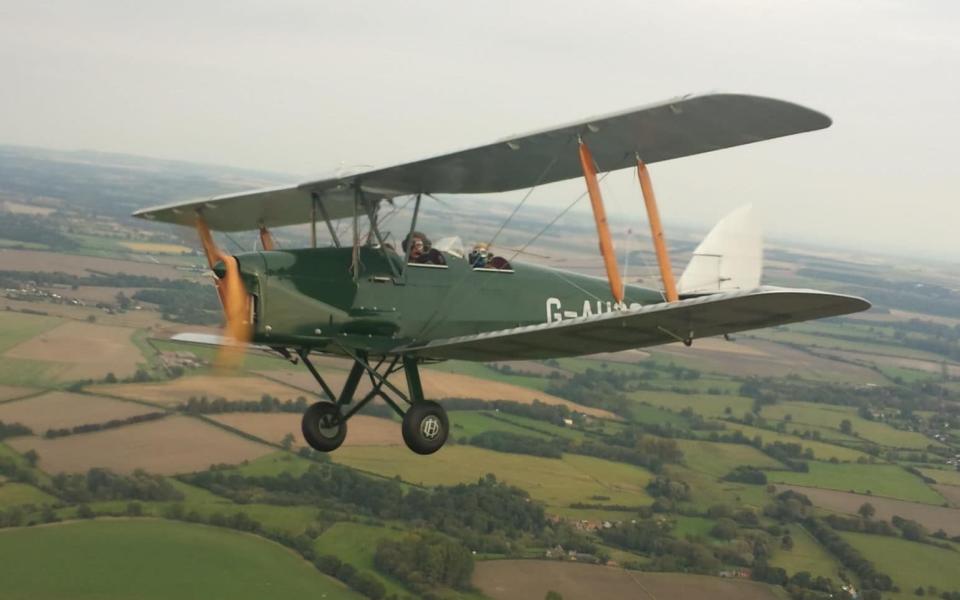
479,256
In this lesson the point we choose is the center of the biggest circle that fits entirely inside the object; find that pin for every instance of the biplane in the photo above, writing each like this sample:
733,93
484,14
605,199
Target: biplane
390,309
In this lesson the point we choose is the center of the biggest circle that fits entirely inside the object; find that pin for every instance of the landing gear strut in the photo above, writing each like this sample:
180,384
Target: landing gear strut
425,424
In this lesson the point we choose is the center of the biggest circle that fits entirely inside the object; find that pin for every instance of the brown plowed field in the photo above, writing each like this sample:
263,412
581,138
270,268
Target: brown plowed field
179,391
8,392
91,350
61,409
931,517
528,579
168,446
50,262
362,430
437,384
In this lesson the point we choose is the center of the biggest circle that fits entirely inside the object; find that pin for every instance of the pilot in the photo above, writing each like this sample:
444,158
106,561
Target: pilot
421,251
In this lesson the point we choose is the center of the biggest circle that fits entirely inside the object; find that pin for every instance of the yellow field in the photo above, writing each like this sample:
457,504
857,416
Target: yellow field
90,350
169,446
154,248
57,410
557,482
362,430
50,262
437,385
179,391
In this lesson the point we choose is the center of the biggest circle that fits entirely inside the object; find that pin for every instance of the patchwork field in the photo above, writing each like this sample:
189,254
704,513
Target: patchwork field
52,262
169,446
821,450
180,390
105,349
147,560
717,460
557,482
356,543
706,405
362,430
910,564
16,328
437,385
155,248
825,415
56,410
889,481
950,492
931,517
528,579
951,477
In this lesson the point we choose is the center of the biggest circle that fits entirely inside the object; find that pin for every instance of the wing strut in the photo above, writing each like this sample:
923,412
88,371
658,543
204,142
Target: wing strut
656,232
266,240
603,229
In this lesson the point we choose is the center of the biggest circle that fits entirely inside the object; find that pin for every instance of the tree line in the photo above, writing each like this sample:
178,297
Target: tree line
111,424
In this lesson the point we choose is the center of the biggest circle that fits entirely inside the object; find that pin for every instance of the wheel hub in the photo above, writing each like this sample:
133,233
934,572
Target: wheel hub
430,427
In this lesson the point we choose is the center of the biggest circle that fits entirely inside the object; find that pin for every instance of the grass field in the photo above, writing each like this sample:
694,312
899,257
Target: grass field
482,371
910,564
18,327
821,450
470,423
557,482
951,477
155,248
646,413
890,481
91,350
706,405
56,410
717,459
180,390
147,559
532,579
19,494
826,415
168,446
12,392
806,555
692,526
356,543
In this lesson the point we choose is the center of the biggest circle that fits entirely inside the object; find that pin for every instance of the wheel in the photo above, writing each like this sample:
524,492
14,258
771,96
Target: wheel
425,427
323,427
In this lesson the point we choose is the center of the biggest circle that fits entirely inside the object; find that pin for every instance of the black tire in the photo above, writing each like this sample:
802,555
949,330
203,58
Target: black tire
425,427
323,427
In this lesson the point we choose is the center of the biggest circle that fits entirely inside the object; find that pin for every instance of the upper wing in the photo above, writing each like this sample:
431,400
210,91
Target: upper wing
679,127
647,326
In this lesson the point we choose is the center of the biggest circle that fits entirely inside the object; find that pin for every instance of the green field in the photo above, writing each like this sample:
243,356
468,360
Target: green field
821,450
151,559
482,371
910,564
705,405
692,526
464,423
717,459
274,464
20,494
890,481
557,482
806,555
655,415
19,327
826,415
356,543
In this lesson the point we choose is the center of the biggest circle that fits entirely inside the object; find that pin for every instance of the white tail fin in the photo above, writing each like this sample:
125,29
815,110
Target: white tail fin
729,258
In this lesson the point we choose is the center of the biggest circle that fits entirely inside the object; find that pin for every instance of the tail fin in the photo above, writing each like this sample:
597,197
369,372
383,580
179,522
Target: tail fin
729,258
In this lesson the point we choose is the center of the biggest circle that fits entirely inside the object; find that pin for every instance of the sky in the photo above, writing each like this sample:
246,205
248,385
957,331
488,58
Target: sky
307,87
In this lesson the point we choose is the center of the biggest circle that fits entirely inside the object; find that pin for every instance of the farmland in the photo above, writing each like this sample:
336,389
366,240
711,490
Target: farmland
516,579
179,391
56,410
363,430
910,564
889,481
167,446
153,560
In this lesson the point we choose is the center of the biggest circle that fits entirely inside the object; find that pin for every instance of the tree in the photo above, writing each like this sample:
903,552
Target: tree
786,542
85,512
552,595
287,442
110,378
867,510
31,457
846,427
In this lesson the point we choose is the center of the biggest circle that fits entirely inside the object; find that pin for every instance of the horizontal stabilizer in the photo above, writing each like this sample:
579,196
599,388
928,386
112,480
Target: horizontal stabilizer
651,325
680,127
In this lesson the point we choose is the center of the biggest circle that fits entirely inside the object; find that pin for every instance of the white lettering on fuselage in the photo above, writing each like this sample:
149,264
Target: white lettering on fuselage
556,312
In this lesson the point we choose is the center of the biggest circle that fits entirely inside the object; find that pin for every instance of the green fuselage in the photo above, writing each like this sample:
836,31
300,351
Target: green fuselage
310,298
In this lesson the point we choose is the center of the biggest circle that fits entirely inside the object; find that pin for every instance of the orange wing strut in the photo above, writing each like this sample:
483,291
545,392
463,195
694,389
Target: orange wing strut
266,240
600,216
656,230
